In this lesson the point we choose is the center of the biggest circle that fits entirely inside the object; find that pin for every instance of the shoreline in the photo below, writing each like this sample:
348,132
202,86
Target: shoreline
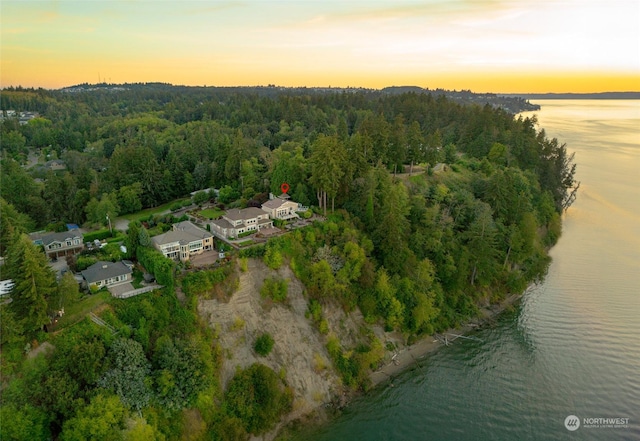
411,355
405,359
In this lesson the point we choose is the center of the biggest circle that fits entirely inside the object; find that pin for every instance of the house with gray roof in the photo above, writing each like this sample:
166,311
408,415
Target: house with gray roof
103,274
183,241
236,222
66,243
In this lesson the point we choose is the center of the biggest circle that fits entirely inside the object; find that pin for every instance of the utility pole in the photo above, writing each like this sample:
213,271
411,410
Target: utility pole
110,229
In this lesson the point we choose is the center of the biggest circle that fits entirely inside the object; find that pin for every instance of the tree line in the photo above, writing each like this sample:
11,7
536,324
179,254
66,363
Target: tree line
139,148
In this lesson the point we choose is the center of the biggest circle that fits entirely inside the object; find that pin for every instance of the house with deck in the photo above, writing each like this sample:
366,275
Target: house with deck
183,241
281,208
236,222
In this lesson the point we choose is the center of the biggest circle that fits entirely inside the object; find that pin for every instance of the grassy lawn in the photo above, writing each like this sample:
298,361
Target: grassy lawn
151,211
78,310
246,243
211,213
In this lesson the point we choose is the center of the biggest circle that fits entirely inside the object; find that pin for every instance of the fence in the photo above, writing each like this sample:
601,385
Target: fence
135,292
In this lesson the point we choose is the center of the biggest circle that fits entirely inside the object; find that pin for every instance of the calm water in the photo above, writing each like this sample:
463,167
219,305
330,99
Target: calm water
573,345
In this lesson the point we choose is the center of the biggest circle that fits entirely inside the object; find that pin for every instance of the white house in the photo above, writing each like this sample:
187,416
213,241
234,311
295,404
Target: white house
281,208
183,241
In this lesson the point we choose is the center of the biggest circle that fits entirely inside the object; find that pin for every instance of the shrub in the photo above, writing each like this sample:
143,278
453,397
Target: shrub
228,194
323,327
257,251
273,258
315,310
263,344
344,364
237,325
200,197
201,282
84,262
116,239
100,235
274,288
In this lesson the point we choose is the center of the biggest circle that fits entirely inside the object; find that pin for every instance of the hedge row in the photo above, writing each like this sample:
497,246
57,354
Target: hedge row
155,262
93,235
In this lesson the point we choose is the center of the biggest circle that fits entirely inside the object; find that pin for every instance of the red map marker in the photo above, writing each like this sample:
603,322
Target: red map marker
284,187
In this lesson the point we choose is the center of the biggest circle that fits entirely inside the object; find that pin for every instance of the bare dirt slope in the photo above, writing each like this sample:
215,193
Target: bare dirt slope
298,352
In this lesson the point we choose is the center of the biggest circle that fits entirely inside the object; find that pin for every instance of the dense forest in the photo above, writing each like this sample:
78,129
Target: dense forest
413,247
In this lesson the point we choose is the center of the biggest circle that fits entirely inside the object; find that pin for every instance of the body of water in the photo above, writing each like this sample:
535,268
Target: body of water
572,347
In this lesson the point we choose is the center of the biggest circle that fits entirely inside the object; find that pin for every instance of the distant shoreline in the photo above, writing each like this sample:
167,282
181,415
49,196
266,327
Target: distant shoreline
575,96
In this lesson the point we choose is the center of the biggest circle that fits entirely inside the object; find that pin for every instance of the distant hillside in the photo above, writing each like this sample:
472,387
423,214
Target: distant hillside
512,104
577,96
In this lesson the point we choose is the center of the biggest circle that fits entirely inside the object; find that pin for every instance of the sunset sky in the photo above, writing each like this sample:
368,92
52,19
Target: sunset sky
483,45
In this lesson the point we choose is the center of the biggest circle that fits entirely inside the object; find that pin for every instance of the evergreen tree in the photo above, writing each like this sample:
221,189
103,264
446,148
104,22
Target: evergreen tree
415,144
143,237
327,169
133,238
34,281
11,222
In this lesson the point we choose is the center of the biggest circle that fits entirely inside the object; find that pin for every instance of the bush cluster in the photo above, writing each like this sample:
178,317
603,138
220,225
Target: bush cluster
264,344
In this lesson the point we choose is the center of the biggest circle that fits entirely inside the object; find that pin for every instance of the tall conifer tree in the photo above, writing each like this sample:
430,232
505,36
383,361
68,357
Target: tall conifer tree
34,281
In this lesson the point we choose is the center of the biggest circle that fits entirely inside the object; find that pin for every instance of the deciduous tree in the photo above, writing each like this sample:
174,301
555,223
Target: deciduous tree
257,397
102,419
128,376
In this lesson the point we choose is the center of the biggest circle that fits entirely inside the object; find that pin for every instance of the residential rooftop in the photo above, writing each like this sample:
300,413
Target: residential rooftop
246,213
104,270
183,232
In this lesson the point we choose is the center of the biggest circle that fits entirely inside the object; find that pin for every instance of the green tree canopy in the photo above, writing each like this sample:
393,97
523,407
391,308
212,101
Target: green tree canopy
128,376
257,397
102,419
23,423
13,222
181,372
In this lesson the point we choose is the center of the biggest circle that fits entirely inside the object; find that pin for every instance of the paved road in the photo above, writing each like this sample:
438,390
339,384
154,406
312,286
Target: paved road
121,224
